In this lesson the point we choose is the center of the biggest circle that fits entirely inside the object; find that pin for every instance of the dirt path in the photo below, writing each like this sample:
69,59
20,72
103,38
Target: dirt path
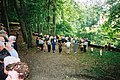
53,66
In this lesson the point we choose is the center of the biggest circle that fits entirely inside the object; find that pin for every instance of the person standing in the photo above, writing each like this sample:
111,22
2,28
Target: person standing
37,42
49,45
53,46
68,43
75,46
85,45
45,45
81,46
41,43
60,46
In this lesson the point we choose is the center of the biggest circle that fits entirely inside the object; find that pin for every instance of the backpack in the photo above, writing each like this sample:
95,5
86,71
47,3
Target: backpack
49,43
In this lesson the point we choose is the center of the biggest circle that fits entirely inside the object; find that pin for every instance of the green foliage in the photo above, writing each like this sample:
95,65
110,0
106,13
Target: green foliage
71,18
12,14
112,26
118,44
64,28
106,65
68,13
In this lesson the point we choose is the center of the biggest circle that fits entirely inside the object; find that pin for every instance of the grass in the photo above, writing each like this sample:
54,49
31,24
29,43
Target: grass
107,66
103,67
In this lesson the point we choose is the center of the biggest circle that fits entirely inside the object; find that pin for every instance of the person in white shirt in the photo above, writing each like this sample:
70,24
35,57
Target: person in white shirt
85,45
68,46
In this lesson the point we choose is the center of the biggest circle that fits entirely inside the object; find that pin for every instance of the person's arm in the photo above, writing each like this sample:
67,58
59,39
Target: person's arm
1,61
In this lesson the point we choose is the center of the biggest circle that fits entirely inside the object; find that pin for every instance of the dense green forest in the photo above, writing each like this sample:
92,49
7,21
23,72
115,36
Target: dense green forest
95,19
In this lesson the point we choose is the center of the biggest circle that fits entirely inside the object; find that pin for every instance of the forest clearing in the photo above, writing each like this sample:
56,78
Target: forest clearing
79,66
60,39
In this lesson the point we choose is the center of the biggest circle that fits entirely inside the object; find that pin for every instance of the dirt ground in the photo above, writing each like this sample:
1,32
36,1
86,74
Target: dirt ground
54,66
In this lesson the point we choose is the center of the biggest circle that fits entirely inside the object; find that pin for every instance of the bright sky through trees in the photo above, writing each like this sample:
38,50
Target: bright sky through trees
86,2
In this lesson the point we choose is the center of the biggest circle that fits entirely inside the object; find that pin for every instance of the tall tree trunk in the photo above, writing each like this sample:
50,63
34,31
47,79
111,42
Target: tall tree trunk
36,23
6,21
1,11
48,16
63,19
22,23
41,23
54,16
44,21
27,26
29,44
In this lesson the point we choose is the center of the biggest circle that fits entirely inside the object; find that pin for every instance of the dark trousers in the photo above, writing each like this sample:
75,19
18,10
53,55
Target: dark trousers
41,46
84,48
2,74
81,48
60,50
49,48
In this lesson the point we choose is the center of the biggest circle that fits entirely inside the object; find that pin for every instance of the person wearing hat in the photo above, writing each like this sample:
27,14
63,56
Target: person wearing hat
10,60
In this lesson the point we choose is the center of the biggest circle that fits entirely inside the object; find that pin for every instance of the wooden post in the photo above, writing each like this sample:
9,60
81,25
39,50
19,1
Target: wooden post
100,51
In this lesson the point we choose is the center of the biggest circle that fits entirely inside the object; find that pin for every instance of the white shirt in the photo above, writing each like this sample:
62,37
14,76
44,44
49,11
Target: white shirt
13,53
67,44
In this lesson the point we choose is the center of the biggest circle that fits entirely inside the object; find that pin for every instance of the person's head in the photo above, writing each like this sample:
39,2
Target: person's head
2,46
1,26
60,41
9,60
18,71
12,38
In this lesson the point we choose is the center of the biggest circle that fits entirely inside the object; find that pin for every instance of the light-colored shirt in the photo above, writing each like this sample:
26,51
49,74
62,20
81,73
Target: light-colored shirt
13,53
68,44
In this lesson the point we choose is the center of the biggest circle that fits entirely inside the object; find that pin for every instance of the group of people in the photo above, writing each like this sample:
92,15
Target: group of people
48,42
11,67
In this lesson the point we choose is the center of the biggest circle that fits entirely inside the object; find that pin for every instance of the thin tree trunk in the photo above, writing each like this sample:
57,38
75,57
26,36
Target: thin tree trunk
54,16
48,17
39,24
6,21
36,23
28,30
63,20
0,11
29,44
42,22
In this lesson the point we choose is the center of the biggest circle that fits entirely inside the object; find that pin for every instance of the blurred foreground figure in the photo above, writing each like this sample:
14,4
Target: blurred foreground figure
17,71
